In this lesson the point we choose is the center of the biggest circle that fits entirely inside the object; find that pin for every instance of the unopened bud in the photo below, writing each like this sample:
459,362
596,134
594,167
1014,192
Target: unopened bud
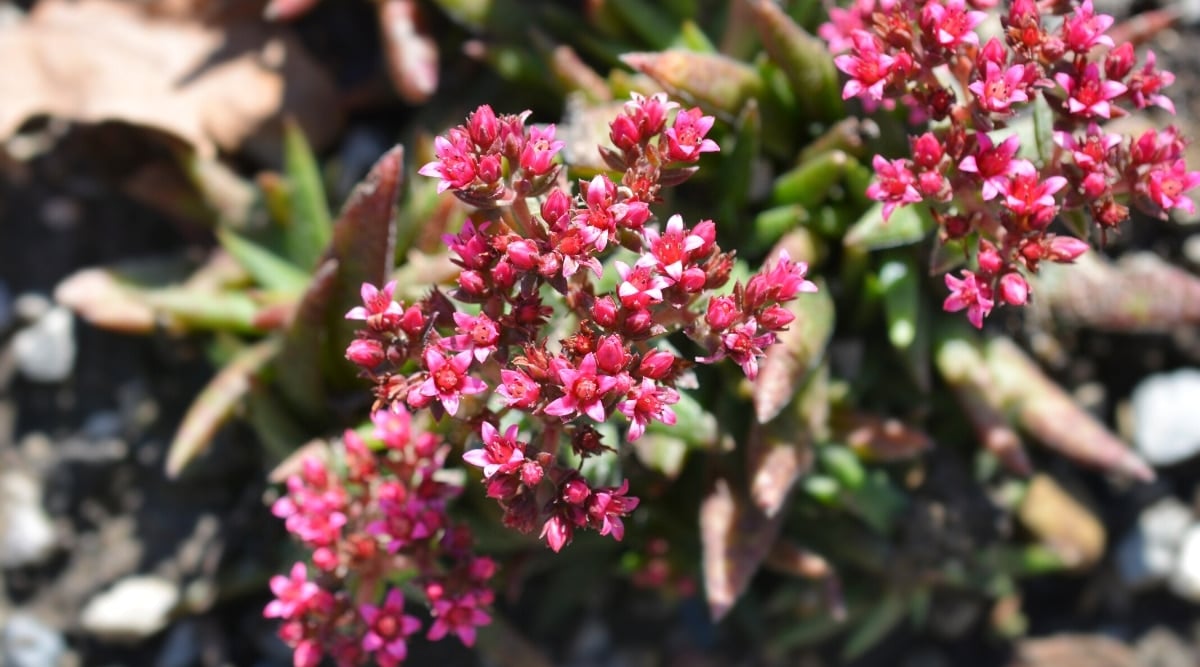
927,151
556,207
576,491
776,318
489,170
604,311
1119,62
472,283
1013,289
611,356
990,261
531,473
656,364
364,352
1065,249
693,279
722,311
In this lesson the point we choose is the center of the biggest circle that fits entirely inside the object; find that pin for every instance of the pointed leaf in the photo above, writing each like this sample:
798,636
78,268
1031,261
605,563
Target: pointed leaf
809,183
877,624
1047,411
412,53
190,309
309,228
1062,523
805,60
739,168
907,225
778,453
103,300
907,315
299,371
216,404
268,269
648,21
735,539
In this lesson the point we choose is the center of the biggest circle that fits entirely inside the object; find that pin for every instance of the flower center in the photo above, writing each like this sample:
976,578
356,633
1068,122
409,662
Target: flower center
446,379
386,627
585,389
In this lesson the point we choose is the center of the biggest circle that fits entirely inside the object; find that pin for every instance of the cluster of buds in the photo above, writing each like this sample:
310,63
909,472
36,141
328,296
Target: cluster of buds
967,168
528,355
382,511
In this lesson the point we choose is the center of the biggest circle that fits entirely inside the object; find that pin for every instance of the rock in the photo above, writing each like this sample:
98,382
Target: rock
45,350
1165,428
1147,554
1073,651
26,533
27,642
1185,577
1160,647
133,609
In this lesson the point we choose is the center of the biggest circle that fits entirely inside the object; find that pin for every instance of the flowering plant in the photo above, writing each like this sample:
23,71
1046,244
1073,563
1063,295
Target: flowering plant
531,381
997,191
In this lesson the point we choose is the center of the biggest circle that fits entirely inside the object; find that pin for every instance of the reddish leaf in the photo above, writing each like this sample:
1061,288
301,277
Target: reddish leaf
876,438
735,537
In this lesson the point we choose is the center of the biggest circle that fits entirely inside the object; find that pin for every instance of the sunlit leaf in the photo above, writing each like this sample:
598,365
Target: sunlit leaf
268,269
735,538
308,230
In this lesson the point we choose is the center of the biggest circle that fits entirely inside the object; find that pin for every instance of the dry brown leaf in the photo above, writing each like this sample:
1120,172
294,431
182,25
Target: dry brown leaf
223,84
735,537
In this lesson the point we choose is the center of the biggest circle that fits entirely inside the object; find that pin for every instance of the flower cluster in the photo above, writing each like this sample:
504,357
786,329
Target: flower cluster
969,169
528,355
383,512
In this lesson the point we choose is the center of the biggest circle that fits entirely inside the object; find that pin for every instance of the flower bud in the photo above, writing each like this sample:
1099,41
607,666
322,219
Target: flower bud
365,352
412,321
1013,289
531,473
707,231
604,311
993,52
556,207
638,323
693,279
1065,249
623,132
1119,62
929,183
927,151
472,283
489,170
576,491
1095,186
990,261
483,127
549,265
611,356
656,364
503,274
776,318
722,311
956,226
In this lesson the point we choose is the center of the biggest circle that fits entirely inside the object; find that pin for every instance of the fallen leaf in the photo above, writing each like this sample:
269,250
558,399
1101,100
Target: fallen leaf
222,84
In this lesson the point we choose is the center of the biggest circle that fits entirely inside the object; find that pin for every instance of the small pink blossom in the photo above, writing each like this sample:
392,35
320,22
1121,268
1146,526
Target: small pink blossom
477,334
294,594
999,89
893,184
867,67
1028,194
459,616
608,506
388,629
648,402
686,140
993,164
1084,29
744,345
1167,185
583,391
640,284
672,248
456,166
518,389
376,303
500,453
393,426
1146,84
537,157
967,292
1092,152
951,23
1089,96
448,380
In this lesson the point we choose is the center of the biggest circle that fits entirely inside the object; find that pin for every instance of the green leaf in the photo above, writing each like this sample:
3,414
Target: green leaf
715,82
192,309
907,315
877,624
216,404
737,170
649,22
268,269
809,183
805,60
309,228
299,372
906,226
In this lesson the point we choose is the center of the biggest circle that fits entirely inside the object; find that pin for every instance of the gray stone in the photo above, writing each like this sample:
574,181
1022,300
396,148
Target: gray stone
27,642
1185,576
182,647
1147,554
1165,428
26,533
45,350
133,609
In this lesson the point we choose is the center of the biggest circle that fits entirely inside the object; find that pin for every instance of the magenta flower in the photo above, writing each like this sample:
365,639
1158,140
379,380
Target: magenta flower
393,426
448,380
388,628
500,453
537,157
518,389
1027,194
1090,97
993,164
686,139
1093,151
893,184
1145,85
376,302
1085,29
605,508
598,221
967,292
648,402
640,285
1166,186
294,594
867,67
557,532
583,391
456,164
744,345
477,334
673,247
459,616
998,89
951,23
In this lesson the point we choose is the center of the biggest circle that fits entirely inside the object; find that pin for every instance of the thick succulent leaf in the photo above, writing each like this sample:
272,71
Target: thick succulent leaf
412,53
878,438
268,269
805,60
735,539
649,21
779,452
1045,410
363,239
908,319
961,364
906,226
299,373
715,82
193,309
739,167
1141,293
101,298
809,183
217,402
308,229
1062,523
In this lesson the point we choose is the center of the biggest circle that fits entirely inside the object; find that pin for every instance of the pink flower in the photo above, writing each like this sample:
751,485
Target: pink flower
599,220
518,389
607,507
673,247
686,139
893,184
500,453
1089,97
867,67
1145,85
365,352
640,285
991,163
456,164
448,380
1014,290
643,118
721,313
744,345
393,426
843,23
388,628
537,157
460,616
583,391
967,292
294,594
557,532
1166,185
647,402
1027,194
1085,29
951,23
477,334
999,89
376,303
1093,152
